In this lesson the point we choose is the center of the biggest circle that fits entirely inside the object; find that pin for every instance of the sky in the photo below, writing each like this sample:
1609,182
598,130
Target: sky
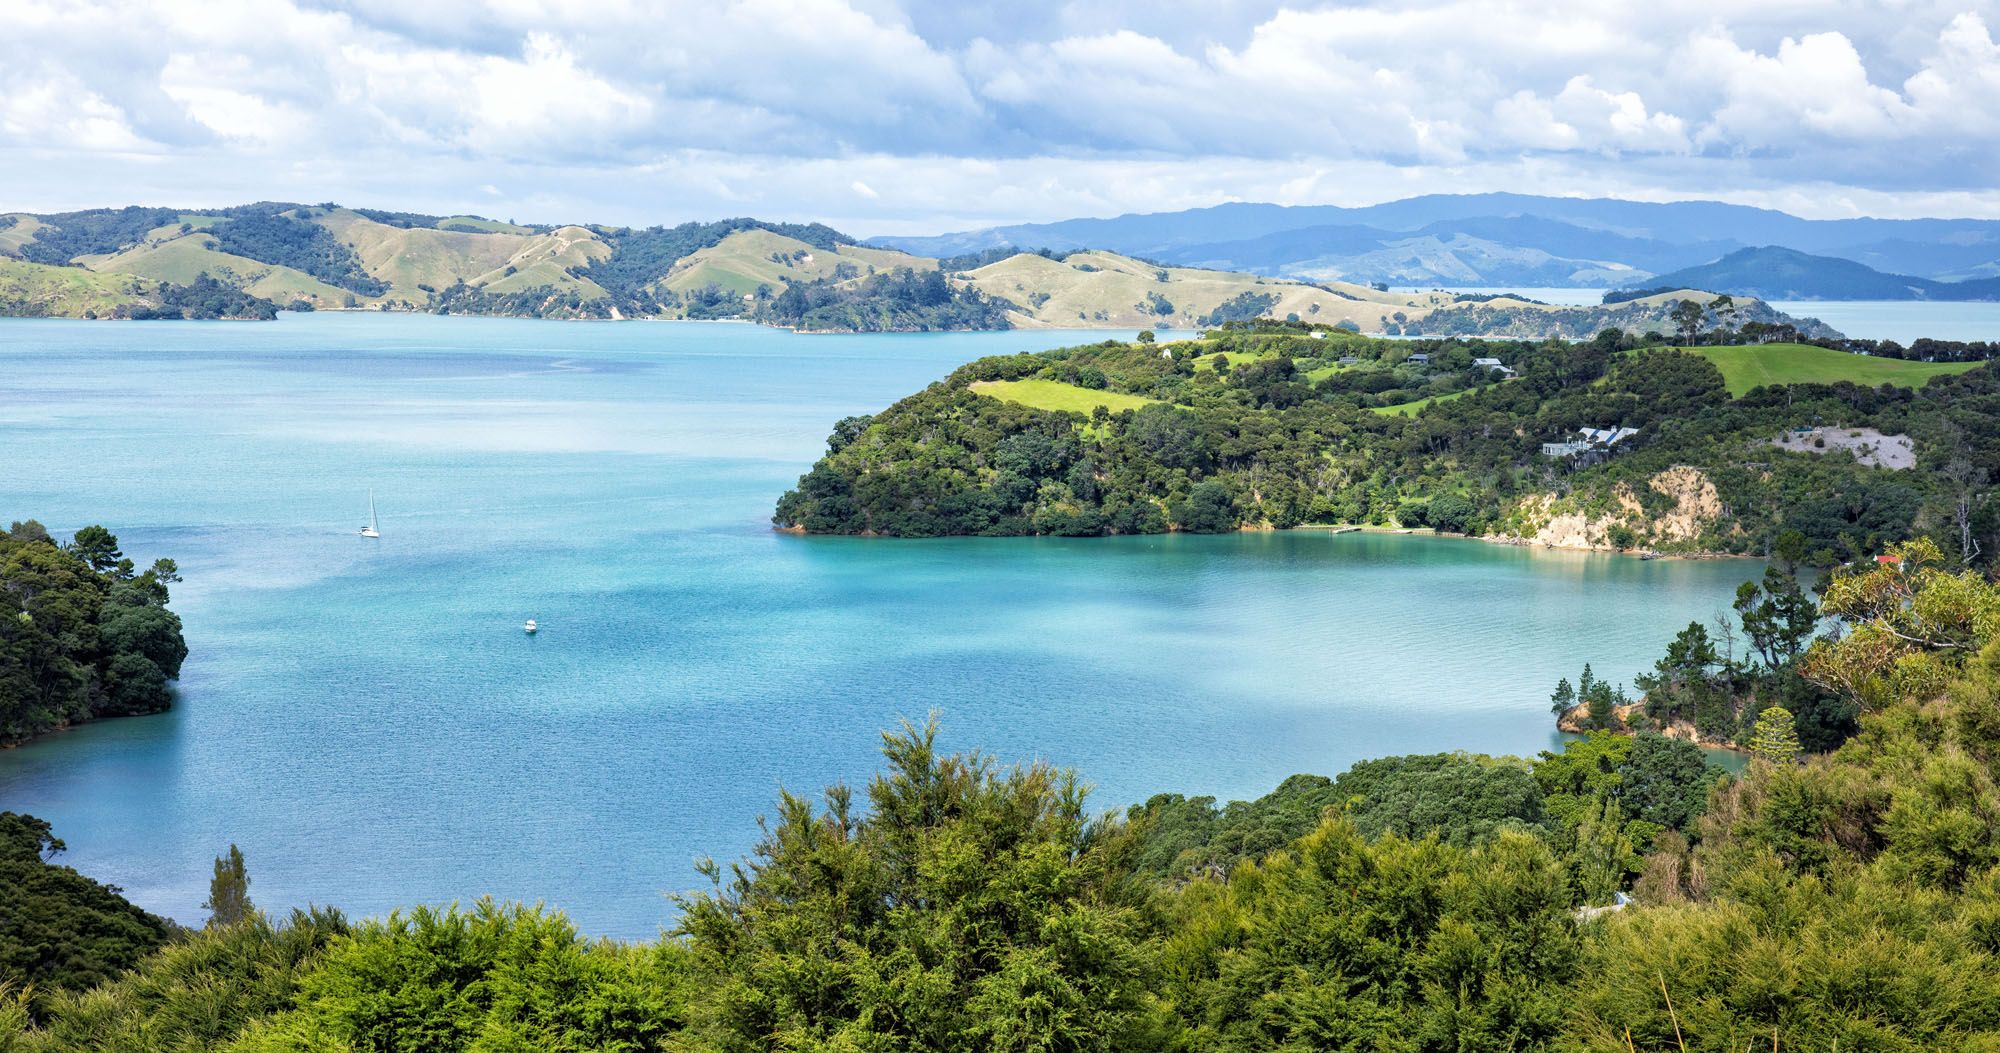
925,116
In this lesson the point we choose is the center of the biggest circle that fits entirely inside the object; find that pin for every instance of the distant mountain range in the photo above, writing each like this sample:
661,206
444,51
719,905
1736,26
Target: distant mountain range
1773,273
1501,240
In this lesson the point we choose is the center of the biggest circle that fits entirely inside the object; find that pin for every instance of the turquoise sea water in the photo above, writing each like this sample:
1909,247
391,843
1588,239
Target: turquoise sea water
367,719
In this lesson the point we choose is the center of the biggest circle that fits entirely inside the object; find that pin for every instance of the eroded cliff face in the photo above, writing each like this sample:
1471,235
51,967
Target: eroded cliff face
1696,505
1631,719
1552,523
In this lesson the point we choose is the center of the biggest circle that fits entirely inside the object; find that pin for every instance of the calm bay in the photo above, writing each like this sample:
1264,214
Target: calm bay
368,720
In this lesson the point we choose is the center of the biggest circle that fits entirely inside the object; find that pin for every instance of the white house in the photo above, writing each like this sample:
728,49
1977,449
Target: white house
1593,440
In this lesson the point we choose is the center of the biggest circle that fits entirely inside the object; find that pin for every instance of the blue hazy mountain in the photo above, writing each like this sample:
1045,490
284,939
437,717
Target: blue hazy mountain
1495,239
1773,273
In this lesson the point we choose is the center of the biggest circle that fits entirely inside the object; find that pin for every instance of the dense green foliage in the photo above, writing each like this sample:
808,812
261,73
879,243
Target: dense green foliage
1703,687
1242,307
1847,901
541,301
641,256
890,301
203,300
492,978
966,907
288,242
1461,798
1269,426
59,929
82,635
99,230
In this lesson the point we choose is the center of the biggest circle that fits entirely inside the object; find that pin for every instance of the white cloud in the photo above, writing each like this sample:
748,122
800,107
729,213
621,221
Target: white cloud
55,111
690,107
1959,87
1815,84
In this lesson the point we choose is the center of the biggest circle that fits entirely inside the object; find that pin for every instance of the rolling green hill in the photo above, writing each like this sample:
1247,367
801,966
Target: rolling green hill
17,230
411,258
182,258
1746,368
1105,289
38,290
335,257
745,260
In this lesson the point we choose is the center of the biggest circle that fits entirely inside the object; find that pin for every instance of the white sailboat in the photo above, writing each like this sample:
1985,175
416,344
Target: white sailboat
369,530
530,627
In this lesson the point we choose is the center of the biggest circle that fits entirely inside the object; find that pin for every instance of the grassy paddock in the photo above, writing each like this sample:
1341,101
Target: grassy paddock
1057,396
1409,409
1745,368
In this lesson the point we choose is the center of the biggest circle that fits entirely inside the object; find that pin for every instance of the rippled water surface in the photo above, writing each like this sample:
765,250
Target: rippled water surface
367,719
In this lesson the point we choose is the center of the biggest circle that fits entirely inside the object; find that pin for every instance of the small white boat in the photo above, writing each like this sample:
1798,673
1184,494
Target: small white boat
369,530
530,627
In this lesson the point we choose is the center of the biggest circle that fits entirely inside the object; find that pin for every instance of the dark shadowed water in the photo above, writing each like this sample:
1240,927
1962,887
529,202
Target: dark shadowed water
367,719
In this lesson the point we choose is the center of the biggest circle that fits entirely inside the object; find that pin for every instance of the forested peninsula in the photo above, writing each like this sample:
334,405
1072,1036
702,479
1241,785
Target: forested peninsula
1618,895
84,634
1714,440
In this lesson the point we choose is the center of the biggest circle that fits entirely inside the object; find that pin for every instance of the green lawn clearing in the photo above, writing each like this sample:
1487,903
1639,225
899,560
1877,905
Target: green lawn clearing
1058,396
1744,368
1409,409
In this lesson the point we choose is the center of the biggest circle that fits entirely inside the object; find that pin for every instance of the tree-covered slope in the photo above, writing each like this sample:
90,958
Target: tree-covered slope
83,633
1276,426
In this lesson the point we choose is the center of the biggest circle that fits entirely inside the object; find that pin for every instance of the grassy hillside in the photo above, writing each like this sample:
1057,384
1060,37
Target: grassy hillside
1059,397
409,258
182,258
1106,289
740,268
1746,368
18,233
37,289
747,259
479,225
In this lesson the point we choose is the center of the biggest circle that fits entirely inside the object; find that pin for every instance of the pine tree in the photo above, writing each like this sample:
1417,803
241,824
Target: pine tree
229,891
1564,698
1776,736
